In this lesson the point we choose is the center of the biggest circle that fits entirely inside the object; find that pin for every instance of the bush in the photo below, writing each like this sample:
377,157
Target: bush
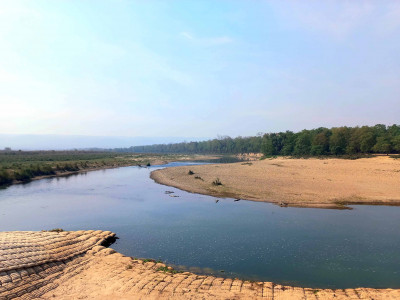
5,178
168,270
217,182
70,167
56,230
24,175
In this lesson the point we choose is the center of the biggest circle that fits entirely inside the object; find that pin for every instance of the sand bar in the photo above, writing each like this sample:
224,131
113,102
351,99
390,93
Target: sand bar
322,183
75,265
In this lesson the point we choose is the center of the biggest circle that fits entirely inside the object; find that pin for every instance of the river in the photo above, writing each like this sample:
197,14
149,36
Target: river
250,240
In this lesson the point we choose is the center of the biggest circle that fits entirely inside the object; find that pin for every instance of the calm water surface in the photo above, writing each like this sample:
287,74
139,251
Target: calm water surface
250,240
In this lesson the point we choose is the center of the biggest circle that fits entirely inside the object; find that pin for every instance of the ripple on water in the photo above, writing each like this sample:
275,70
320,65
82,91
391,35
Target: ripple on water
260,241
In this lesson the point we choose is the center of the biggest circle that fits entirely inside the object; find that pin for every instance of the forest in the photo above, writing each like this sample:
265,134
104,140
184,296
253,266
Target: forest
315,142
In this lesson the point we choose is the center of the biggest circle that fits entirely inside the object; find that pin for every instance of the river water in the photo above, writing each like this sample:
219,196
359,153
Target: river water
249,240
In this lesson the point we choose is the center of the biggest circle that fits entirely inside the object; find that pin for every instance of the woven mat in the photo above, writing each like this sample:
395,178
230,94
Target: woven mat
23,249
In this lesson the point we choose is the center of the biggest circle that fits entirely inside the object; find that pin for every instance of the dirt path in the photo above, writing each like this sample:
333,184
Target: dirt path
325,183
74,265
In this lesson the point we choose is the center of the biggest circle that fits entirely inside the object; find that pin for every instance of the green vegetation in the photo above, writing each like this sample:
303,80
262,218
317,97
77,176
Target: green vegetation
22,166
315,291
168,270
347,142
315,142
56,230
351,141
5,177
223,145
190,172
151,260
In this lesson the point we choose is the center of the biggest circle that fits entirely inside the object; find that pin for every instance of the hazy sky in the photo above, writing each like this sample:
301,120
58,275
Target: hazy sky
196,68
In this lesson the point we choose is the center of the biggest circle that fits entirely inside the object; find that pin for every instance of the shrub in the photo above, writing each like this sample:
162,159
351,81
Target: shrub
217,182
5,178
24,175
168,270
151,260
70,167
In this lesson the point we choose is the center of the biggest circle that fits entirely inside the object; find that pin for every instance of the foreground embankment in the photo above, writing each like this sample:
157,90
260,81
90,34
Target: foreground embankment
75,265
321,183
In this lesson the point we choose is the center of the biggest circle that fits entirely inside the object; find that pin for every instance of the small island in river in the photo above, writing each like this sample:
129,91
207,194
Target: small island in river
319,183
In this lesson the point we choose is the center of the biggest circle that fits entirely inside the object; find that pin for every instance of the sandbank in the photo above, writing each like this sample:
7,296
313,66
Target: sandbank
319,183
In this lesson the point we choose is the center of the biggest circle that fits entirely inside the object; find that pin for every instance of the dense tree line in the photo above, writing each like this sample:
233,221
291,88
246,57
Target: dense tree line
314,142
222,145
334,141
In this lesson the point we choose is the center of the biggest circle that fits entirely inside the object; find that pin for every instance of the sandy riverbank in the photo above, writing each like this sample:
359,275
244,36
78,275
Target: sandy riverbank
322,183
75,265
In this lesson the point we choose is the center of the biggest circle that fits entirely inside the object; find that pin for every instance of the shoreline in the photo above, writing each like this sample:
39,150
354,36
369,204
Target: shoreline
159,179
342,206
305,183
154,162
75,264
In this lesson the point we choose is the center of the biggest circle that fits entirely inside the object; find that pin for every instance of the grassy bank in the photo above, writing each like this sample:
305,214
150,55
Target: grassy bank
23,166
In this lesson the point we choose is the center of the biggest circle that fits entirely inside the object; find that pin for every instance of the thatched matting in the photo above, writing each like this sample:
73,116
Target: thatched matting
74,265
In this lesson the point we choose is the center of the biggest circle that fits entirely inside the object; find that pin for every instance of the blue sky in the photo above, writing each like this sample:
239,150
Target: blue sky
196,68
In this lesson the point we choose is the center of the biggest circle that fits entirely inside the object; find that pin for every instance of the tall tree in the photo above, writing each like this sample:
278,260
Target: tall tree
303,143
320,142
338,140
382,145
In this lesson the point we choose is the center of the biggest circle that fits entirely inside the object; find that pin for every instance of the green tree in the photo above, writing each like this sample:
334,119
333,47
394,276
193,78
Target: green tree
303,143
396,143
320,142
382,145
267,146
338,140
290,141
393,133
368,140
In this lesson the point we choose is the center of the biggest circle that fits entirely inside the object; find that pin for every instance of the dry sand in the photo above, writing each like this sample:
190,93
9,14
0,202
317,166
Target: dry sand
322,183
74,265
